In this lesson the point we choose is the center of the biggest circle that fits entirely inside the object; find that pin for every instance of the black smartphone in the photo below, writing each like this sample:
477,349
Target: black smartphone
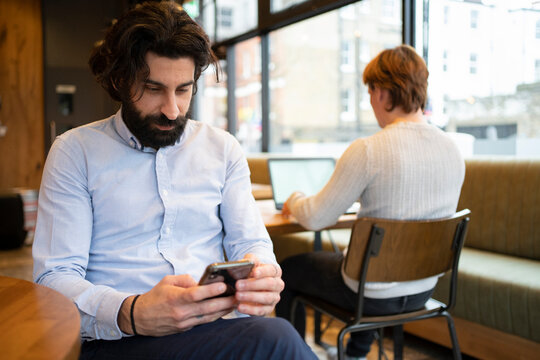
227,272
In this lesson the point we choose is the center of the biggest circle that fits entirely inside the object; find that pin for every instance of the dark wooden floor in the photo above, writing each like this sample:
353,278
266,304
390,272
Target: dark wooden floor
17,263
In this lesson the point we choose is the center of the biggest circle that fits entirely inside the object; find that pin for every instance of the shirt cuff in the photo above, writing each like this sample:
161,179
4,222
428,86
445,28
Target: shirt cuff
107,316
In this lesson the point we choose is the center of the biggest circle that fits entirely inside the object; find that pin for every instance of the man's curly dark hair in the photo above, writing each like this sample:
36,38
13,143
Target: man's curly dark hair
160,27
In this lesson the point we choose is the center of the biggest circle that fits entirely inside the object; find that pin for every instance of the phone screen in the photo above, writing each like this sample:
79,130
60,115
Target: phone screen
227,272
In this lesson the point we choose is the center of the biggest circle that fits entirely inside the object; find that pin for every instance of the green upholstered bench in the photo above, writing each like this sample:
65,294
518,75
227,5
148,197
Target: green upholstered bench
498,291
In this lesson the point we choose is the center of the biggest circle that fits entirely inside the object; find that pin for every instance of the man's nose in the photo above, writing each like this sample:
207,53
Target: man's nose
170,107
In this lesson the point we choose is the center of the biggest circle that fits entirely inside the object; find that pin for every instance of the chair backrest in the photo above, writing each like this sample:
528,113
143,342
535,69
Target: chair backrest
384,250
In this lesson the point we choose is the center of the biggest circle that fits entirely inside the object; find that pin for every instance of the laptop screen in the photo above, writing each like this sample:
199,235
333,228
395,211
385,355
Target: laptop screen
307,175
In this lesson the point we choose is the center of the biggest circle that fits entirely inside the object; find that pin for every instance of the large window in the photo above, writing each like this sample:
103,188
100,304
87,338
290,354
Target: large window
210,102
483,61
223,19
248,94
256,95
213,105
295,69
317,98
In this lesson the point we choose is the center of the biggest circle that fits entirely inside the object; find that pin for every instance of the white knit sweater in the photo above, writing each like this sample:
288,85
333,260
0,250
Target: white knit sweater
405,171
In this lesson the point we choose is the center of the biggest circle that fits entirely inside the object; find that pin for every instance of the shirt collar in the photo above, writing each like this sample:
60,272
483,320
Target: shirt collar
126,135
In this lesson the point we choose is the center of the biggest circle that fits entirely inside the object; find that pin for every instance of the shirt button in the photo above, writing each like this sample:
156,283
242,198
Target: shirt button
167,230
112,333
165,193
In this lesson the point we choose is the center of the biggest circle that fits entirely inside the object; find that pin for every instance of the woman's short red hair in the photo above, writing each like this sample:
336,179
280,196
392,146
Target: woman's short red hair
403,73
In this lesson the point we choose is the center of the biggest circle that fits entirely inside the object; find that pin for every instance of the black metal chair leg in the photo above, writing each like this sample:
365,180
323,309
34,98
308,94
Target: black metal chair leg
397,334
317,323
317,246
380,341
453,336
340,346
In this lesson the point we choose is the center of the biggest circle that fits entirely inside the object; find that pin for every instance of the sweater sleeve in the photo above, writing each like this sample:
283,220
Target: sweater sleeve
350,178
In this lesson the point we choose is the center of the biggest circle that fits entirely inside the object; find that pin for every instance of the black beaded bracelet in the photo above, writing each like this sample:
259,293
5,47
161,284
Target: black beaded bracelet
131,315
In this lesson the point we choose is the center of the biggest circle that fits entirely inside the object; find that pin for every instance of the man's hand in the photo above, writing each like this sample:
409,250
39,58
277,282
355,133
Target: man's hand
259,294
174,305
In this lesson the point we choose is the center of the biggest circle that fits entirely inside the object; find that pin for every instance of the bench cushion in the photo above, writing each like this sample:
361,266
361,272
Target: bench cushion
504,198
499,291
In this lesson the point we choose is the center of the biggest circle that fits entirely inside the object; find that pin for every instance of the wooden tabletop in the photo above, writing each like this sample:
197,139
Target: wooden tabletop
36,322
277,224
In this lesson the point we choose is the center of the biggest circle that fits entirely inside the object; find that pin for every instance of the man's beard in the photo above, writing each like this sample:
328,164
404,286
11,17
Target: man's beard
145,130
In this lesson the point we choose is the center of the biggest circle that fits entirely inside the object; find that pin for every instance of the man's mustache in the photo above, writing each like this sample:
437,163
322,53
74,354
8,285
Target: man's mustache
162,120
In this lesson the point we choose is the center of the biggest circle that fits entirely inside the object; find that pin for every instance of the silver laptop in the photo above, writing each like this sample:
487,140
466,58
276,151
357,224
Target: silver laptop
307,175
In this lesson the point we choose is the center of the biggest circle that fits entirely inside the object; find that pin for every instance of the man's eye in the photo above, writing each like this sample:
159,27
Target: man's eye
182,90
152,89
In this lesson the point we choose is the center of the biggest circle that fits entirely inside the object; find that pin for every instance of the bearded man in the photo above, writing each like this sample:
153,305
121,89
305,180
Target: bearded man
133,208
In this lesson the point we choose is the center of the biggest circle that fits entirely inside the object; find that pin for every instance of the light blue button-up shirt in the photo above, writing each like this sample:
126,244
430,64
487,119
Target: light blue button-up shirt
115,217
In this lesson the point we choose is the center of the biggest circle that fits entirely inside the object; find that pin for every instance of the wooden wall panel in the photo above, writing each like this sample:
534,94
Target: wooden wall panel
21,89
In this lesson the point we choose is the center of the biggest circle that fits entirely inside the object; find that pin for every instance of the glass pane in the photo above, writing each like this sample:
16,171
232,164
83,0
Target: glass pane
211,99
248,94
278,5
192,8
484,64
229,18
318,101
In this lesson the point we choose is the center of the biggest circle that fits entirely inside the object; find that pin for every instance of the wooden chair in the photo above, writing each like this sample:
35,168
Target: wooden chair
383,250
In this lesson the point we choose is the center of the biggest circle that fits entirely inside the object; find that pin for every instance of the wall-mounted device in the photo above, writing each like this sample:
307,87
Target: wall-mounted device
65,98
3,128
